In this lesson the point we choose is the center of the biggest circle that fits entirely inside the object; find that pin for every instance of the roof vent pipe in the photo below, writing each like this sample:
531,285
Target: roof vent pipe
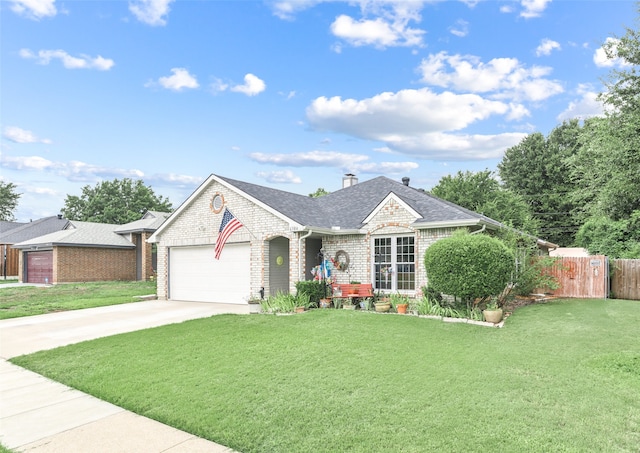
405,181
349,180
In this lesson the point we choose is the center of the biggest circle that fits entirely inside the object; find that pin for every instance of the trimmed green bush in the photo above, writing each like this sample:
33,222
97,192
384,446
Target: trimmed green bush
469,266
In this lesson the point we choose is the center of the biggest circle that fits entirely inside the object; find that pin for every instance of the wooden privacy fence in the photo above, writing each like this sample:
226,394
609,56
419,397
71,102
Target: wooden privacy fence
625,279
586,277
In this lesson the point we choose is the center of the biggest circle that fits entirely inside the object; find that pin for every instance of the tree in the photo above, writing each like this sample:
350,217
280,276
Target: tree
614,238
482,193
117,202
469,266
538,170
320,191
8,200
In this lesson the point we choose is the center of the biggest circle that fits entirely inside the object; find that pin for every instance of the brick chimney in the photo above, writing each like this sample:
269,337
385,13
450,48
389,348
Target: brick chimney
349,180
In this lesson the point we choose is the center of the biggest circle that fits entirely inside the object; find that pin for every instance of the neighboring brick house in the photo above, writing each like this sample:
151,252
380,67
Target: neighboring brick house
14,232
87,251
382,227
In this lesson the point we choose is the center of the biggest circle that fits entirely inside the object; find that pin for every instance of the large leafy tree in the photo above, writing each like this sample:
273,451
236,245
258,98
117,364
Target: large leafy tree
607,167
538,170
8,200
482,193
117,202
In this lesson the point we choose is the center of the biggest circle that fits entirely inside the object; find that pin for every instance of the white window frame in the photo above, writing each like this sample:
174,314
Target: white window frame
393,277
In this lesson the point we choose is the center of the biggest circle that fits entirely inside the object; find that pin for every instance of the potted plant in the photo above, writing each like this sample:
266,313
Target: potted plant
399,303
346,303
493,312
382,305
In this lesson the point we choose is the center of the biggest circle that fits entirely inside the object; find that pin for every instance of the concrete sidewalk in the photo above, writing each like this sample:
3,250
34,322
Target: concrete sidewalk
42,416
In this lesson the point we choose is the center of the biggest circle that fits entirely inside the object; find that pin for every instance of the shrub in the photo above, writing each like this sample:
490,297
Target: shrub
469,266
314,289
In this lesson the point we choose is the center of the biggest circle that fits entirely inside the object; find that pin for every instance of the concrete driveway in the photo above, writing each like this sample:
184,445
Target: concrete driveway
42,416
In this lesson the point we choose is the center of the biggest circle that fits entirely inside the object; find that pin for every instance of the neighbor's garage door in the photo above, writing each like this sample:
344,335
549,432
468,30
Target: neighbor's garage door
195,275
39,267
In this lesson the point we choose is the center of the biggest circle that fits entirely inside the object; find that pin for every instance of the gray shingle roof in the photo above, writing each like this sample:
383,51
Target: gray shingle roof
80,234
151,221
33,229
347,208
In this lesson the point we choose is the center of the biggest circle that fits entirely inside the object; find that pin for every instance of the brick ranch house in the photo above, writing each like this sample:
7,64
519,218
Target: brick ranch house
87,251
381,227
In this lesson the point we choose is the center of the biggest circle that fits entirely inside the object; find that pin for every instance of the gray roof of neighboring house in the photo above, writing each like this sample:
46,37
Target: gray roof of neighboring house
33,229
7,226
80,234
347,208
151,221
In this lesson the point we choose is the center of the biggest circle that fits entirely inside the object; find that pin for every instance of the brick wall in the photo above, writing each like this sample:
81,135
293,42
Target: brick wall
80,264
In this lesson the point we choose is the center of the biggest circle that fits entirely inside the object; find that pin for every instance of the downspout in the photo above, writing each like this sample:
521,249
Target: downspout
300,239
484,227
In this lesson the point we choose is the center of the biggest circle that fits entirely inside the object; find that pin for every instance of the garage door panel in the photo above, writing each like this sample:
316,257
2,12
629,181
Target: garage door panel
39,267
195,275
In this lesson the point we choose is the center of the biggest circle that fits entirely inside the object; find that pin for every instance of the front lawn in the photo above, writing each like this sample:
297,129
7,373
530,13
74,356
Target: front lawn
36,300
563,376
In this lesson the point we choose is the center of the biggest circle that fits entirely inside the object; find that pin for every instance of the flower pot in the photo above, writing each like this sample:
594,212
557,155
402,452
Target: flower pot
325,303
494,316
349,307
299,309
402,308
382,307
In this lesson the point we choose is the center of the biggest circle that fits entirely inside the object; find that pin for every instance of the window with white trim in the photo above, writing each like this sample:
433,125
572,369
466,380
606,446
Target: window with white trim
394,263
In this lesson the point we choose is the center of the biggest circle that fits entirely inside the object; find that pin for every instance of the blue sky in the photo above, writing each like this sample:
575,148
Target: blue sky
286,94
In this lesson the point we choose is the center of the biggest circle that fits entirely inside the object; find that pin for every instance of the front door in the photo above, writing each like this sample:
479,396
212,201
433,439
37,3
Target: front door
278,266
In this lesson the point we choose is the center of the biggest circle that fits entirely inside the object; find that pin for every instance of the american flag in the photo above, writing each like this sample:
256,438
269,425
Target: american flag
228,225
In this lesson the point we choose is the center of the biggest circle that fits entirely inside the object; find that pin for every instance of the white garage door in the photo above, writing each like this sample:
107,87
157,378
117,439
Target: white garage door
195,275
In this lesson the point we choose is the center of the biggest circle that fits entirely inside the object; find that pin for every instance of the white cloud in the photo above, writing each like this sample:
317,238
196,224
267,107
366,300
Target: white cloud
73,171
174,179
547,46
444,146
19,135
460,29
252,86
586,106
279,177
34,9
418,122
404,112
347,162
44,57
309,159
151,12
376,32
180,80
503,78
601,59
533,8
287,9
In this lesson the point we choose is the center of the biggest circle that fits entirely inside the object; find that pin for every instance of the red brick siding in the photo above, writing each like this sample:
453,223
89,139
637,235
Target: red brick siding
92,264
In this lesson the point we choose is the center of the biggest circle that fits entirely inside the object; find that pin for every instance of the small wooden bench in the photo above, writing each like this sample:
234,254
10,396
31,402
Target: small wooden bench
352,290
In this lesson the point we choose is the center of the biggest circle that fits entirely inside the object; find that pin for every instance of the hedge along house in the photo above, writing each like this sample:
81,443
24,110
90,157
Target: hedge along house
375,231
87,251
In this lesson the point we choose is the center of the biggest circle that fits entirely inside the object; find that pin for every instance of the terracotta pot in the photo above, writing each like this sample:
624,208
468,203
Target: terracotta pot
402,308
494,316
299,309
382,307
325,303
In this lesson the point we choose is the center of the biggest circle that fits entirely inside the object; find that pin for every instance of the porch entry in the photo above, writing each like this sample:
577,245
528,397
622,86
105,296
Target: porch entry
278,266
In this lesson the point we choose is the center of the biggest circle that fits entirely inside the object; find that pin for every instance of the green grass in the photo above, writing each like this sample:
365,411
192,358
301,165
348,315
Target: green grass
32,300
562,376
5,281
